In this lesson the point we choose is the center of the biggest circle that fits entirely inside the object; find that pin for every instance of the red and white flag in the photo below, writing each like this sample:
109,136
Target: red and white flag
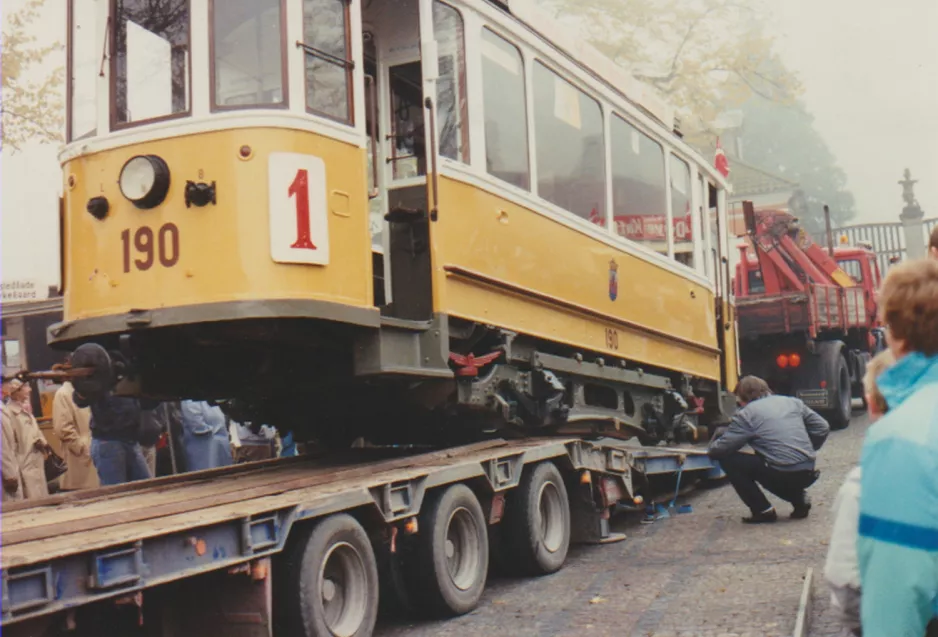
720,161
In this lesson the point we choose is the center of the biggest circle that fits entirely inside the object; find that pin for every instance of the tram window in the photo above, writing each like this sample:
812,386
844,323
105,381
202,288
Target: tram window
452,106
328,68
151,60
568,134
680,212
506,127
638,186
408,152
247,54
84,63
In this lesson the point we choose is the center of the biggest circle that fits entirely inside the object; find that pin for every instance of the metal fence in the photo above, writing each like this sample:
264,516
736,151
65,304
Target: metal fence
887,239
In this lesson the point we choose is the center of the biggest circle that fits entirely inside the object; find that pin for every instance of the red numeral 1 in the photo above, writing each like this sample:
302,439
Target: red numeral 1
300,188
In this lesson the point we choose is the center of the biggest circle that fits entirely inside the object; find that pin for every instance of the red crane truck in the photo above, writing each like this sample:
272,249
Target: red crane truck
807,316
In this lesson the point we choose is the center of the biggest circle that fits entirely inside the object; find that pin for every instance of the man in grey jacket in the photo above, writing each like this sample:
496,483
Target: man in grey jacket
785,435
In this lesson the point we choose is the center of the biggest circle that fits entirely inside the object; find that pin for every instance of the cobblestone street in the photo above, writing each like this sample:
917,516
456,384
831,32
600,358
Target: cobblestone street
702,574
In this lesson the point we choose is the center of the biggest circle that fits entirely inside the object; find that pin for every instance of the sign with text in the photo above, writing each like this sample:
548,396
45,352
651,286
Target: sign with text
23,290
651,227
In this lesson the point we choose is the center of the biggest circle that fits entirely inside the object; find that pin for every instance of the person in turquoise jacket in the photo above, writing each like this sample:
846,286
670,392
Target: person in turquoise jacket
897,546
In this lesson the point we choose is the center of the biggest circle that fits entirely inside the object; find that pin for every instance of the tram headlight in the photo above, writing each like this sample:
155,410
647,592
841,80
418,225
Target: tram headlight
144,181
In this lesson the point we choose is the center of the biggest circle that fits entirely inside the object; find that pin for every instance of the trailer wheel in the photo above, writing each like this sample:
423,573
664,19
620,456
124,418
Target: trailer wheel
537,521
330,582
450,562
840,416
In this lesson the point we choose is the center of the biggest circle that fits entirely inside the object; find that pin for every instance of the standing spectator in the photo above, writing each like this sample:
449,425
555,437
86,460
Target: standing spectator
785,435
933,243
72,425
115,428
289,446
205,436
841,569
898,524
31,446
10,468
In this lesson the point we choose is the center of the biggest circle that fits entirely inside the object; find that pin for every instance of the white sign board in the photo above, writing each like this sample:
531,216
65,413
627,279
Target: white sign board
22,290
150,74
299,223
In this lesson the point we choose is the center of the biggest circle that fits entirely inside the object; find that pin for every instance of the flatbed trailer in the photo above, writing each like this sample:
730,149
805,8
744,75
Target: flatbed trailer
234,534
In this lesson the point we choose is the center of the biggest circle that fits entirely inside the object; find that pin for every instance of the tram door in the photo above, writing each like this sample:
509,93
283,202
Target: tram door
394,27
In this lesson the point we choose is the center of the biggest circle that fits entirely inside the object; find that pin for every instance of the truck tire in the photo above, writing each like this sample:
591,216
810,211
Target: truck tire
329,586
839,416
448,569
537,521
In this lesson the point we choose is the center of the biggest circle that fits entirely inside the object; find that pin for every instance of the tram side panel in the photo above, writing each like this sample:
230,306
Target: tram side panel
501,263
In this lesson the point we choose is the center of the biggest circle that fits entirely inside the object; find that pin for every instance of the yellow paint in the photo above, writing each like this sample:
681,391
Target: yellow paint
540,254
224,248
843,279
732,352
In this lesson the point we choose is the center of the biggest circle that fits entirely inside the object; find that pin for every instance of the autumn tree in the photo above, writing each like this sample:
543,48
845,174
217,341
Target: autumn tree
32,100
704,56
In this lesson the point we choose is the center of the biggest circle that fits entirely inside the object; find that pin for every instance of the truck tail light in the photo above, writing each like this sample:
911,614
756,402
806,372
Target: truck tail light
782,361
794,360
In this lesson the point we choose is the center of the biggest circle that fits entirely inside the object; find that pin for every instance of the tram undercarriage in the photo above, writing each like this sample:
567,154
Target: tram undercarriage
445,382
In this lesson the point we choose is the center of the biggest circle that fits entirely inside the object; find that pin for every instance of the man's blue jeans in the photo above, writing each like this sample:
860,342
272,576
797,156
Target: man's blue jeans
118,462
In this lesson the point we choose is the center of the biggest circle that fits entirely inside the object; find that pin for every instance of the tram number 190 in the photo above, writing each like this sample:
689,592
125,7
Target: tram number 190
612,338
149,246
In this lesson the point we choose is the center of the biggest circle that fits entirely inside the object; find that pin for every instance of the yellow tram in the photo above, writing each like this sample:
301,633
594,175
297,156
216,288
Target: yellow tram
392,218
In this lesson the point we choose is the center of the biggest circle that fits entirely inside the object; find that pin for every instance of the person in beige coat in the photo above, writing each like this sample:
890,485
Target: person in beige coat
31,446
12,487
72,425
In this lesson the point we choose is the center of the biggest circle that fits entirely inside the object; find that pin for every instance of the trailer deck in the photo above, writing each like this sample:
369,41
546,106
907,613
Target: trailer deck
70,550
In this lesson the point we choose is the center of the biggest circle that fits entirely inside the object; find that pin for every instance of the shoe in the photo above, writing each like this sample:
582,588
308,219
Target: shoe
802,509
766,517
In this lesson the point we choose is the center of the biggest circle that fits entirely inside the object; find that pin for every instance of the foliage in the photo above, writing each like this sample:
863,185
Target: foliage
32,98
800,154
705,56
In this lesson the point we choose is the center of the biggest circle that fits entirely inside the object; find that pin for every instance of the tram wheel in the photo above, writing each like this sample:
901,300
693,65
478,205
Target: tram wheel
537,521
449,566
329,586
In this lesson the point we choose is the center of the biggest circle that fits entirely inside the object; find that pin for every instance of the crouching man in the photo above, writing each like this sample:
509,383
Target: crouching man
785,435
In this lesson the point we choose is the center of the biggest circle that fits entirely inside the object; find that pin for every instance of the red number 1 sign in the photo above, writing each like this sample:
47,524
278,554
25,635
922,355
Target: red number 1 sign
300,189
299,231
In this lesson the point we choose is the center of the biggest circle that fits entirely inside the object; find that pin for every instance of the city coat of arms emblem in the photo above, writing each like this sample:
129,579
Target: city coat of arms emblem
613,280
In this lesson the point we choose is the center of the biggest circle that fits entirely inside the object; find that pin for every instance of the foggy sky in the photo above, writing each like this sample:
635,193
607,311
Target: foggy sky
870,70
